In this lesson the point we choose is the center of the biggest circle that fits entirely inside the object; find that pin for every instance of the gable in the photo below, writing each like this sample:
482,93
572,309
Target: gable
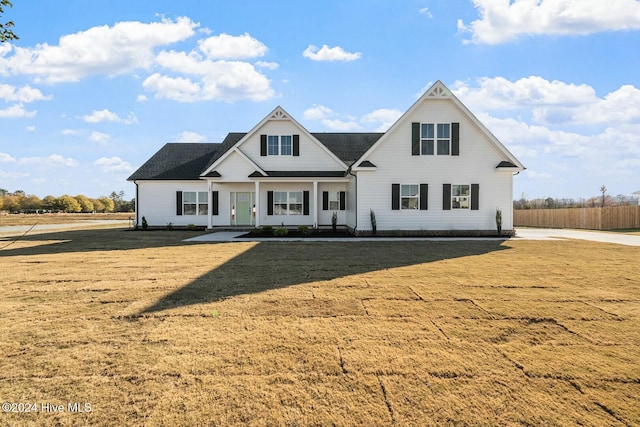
467,137
303,150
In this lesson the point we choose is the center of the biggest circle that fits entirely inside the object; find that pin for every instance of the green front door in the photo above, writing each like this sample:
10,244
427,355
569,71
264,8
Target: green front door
243,209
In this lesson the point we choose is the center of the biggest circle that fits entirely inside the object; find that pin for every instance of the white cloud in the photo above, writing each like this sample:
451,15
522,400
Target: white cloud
383,117
13,175
500,93
386,117
317,112
188,136
113,164
551,102
30,128
216,80
426,12
268,65
327,53
503,21
16,111
6,158
99,138
24,94
531,174
99,50
54,160
69,132
225,46
109,116
142,98
341,125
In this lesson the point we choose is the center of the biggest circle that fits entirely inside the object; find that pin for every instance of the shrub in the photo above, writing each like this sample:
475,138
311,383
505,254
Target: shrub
145,224
303,230
191,227
266,230
170,226
281,231
374,224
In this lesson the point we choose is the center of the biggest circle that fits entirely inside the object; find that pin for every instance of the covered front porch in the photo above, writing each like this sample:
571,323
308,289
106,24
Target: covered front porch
277,201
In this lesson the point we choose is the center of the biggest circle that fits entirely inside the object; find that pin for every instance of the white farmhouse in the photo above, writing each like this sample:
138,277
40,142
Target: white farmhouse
437,170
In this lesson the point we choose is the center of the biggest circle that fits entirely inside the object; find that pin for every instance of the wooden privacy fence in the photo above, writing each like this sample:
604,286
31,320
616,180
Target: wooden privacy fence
610,218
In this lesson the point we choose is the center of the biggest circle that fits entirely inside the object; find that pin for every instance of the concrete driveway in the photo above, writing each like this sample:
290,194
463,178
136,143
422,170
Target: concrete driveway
562,234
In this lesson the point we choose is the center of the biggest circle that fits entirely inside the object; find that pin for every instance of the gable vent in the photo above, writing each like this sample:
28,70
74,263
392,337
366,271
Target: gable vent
279,115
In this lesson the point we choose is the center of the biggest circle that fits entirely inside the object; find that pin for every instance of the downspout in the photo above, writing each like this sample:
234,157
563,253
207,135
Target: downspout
136,206
355,228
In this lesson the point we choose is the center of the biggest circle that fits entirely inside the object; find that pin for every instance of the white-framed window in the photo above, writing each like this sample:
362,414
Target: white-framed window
286,145
427,139
444,139
409,196
460,196
195,203
273,145
334,200
287,203
280,203
435,139
280,145
203,202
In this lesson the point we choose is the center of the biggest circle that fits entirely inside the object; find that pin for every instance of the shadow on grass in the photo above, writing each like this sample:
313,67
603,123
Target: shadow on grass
265,266
88,240
275,265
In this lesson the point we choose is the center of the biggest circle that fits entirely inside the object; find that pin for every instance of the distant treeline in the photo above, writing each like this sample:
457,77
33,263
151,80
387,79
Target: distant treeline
20,202
593,202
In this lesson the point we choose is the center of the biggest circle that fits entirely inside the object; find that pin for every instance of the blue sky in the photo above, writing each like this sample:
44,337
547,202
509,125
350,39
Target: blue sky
93,89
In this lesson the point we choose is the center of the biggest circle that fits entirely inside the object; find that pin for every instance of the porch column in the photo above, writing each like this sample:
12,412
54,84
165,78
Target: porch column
209,205
315,204
257,202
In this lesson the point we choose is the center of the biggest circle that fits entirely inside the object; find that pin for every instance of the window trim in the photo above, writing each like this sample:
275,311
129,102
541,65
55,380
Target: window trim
454,201
416,197
197,203
278,205
278,147
433,141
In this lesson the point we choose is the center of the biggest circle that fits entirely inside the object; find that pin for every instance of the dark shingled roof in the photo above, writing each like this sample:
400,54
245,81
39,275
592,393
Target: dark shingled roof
177,161
366,164
182,161
505,164
348,147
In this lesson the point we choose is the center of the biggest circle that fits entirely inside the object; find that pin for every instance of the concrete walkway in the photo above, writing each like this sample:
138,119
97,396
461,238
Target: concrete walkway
521,234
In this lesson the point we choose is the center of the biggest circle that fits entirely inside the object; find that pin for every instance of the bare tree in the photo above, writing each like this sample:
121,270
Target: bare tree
603,190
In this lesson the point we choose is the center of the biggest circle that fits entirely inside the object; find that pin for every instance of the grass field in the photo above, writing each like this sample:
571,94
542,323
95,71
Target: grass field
150,330
60,218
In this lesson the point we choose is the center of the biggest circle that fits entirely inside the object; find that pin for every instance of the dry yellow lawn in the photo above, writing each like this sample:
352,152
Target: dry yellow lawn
149,330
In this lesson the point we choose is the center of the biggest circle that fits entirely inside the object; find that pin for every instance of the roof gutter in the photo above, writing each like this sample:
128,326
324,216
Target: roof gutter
356,196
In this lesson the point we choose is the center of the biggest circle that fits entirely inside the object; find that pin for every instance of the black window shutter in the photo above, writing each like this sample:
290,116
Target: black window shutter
296,145
395,197
214,202
178,202
325,200
343,200
263,145
455,139
305,203
415,139
424,197
269,202
475,195
446,197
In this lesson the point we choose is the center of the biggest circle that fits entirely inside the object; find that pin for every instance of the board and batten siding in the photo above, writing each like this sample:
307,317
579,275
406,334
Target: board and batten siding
157,203
396,165
312,157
